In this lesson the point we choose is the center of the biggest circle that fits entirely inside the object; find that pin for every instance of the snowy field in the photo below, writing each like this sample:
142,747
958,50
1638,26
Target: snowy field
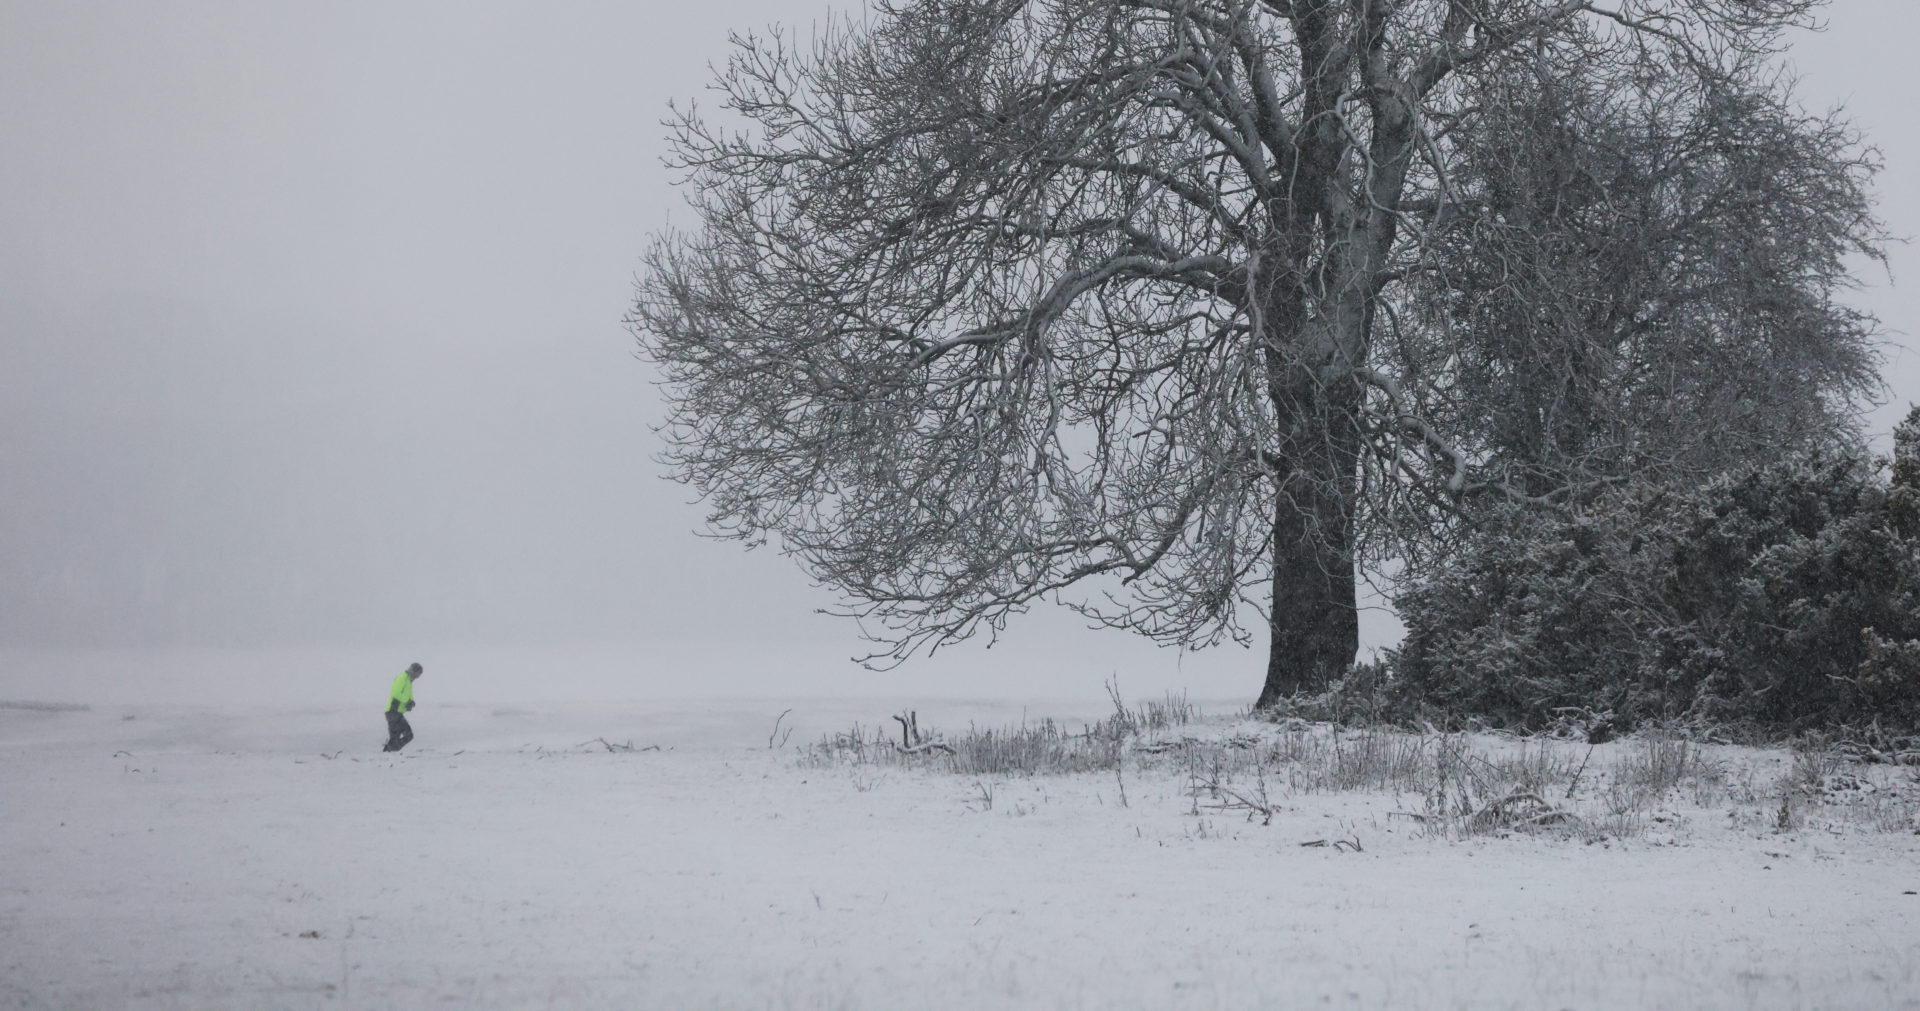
260,858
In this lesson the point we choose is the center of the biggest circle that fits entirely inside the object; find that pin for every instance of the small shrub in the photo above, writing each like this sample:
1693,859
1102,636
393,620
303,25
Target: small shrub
1366,696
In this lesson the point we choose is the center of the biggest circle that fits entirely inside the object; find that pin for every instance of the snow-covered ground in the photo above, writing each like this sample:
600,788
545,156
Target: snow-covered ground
257,858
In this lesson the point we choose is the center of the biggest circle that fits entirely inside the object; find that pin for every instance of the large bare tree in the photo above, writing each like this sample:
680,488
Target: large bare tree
1169,308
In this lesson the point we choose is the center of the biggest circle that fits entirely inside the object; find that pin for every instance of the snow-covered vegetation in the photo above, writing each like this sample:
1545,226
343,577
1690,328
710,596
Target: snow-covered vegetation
1782,596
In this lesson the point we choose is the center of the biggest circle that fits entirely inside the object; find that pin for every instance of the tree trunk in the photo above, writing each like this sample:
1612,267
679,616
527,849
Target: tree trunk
1315,622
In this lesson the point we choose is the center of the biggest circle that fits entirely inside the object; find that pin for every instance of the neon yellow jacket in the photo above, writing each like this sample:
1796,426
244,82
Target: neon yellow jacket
402,695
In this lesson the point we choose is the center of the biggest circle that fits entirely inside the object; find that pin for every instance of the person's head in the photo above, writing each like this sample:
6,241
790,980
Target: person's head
415,671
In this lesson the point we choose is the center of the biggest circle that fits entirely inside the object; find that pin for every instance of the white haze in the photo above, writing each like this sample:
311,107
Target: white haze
311,364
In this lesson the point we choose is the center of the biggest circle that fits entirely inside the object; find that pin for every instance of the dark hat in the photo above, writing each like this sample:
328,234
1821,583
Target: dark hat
416,670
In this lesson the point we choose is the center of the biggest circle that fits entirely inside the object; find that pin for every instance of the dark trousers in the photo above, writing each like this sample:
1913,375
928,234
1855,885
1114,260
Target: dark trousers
398,733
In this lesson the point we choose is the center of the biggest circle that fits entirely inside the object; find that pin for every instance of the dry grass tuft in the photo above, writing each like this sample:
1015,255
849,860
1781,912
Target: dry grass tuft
1025,749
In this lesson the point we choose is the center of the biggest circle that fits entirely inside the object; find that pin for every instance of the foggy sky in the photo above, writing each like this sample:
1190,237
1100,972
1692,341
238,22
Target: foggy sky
310,337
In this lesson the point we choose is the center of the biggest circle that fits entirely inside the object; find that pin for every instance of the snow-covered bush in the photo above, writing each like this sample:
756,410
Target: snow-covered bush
1366,696
1539,614
1784,596
1799,588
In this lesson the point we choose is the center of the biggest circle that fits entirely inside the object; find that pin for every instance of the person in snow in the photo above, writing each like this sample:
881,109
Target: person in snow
399,702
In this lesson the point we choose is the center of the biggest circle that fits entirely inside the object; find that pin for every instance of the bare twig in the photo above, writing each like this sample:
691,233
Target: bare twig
609,745
1579,772
1231,799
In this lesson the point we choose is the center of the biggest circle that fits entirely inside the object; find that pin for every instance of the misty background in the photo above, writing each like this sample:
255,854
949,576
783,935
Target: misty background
312,364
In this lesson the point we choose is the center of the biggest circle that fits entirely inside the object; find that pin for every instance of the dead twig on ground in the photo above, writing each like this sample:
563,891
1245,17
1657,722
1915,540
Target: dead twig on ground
776,731
1229,799
611,746
1520,810
1859,751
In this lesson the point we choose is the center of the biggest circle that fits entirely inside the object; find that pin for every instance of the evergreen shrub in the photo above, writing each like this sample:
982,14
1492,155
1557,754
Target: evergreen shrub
1783,597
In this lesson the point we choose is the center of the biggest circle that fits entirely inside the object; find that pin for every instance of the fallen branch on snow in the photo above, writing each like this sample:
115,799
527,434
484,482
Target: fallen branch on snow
1343,845
1519,810
1229,799
610,746
911,743
1859,751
